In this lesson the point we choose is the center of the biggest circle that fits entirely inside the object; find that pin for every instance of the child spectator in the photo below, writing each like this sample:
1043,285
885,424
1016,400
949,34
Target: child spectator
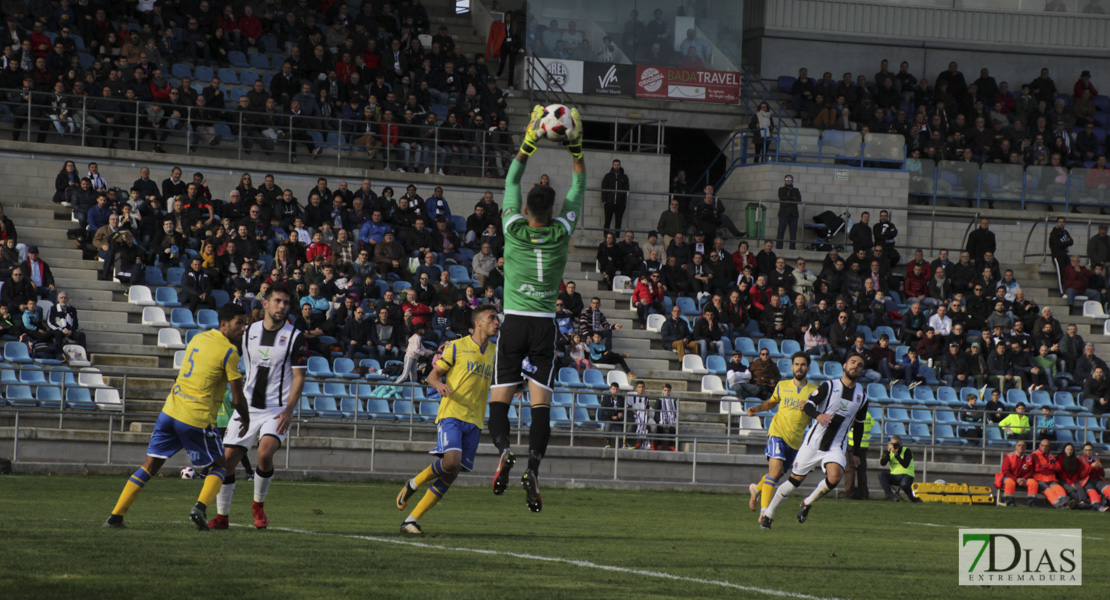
578,351
911,369
816,342
1046,425
413,353
612,413
600,354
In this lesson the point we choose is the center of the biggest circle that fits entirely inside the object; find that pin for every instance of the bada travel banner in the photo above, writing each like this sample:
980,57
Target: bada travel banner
699,85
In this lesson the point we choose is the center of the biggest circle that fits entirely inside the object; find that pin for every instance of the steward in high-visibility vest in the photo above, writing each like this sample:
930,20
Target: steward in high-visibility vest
855,478
900,470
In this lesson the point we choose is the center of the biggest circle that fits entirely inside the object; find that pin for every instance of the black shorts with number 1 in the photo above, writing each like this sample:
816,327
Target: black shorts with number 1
520,338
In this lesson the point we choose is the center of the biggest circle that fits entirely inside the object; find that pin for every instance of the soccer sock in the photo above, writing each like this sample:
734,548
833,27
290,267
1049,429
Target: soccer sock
499,425
431,497
223,499
212,485
262,484
822,488
538,435
433,471
766,490
131,491
783,493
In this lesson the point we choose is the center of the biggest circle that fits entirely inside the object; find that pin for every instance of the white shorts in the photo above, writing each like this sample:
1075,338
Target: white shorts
809,458
263,422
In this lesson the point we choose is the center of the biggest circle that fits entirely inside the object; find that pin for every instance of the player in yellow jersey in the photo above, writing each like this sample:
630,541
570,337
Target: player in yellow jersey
189,415
784,437
468,365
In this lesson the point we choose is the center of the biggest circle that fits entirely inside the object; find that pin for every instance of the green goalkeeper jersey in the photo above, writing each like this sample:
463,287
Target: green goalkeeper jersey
535,258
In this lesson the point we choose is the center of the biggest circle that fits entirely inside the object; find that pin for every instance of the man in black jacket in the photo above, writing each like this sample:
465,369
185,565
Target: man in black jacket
1059,240
196,288
676,334
614,194
981,241
860,234
16,292
790,199
355,336
885,233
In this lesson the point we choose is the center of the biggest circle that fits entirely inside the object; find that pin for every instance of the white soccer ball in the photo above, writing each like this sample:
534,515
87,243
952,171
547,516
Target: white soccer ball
188,473
556,124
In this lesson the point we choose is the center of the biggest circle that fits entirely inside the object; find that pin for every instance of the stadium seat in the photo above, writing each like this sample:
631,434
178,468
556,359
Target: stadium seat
946,435
568,377
688,307
746,346
1040,398
228,76
336,389
402,409
889,331
622,284
428,410
237,59
91,377
994,437
588,401
76,356
582,418
1094,310
559,417
370,363
716,365
182,319
9,376
785,371
620,378
304,408
401,285
1013,396
770,346
108,399
20,395
326,407
1066,401
919,432
260,61
32,376
897,413
79,398
221,298
344,367
924,395
180,71
16,352
378,410
168,337
877,392
752,330
351,408
947,395
562,399
691,363
207,319
154,277
921,415
790,348
894,428
49,396
174,275
655,323
594,379
192,333
140,295
178,359
318,367
832,369
901,393
868,335
946,415
711,384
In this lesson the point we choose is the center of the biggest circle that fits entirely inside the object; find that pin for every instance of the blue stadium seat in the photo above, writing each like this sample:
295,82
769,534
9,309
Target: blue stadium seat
16,352
881,329
370,363
562,399
270,44
901,393
783,365
350,408
154,277
260,61
403,410
588,401
994,437
237,59
947,395
594,379
203,73
1066,401
559,417
897,413
786,83
716,364
946,435
20,395
192,333
930,375
49,396
1040,398
32,377
221,298
228,76
174,275
79,398
326,407
921,415
568,377
877,392
868,335
688,307
378,410
893,428
428,410
946,415
249,76
582,418
344,367
746,346
919,432
401,285
833,369
181,71
208,319
1013,396
790,348
460,274
9,376
336,389
924,395
770,346
318,367
181,318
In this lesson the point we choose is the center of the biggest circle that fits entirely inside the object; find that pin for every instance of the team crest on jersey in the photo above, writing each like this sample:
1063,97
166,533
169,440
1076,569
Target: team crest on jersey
571,216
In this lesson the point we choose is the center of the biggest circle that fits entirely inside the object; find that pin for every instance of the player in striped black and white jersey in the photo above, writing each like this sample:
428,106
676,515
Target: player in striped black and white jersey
668,419
837,406
275,361
639,404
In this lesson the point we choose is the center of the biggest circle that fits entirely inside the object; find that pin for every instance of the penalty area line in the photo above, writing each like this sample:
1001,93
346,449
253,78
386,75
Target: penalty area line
554,559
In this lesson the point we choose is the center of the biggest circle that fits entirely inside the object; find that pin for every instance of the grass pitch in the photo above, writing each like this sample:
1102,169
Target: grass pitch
332,540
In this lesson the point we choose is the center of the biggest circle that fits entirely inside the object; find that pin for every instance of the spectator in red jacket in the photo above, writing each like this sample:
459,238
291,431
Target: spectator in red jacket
1044,469
1098,491
318,248
916,285
1015,472
648,297
1077,280
1071,472
419,311
742,257
250,28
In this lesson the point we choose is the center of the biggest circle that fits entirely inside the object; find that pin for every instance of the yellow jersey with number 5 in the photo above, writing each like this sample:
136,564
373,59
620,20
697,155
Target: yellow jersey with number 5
790,421
469,373
210,362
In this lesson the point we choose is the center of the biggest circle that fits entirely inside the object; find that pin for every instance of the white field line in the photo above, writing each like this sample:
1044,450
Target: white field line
553,559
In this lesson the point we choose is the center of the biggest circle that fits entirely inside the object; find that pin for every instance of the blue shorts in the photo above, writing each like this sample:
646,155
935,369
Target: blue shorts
453,434
171,436
778,448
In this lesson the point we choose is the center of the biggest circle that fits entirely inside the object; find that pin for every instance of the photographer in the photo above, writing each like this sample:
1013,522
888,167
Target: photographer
899,459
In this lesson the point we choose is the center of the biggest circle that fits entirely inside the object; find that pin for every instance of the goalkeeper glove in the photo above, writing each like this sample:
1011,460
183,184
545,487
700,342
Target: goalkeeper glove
574,144
528,146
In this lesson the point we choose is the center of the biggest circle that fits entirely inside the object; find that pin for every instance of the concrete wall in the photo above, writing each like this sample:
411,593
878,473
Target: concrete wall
862,189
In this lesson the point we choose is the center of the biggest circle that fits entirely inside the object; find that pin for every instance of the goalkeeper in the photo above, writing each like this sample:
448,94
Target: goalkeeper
536,247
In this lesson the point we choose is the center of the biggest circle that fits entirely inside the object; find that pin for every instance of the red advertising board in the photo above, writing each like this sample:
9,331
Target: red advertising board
698,85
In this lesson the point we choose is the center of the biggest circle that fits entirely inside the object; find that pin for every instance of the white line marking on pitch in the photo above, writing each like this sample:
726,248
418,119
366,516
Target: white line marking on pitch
553,559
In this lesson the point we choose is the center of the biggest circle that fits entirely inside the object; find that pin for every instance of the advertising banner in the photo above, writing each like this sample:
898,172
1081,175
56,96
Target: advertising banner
566,73
607,79
698,85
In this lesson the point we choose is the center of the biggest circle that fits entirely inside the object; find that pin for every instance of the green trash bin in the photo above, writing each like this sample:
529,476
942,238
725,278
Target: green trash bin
755,219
